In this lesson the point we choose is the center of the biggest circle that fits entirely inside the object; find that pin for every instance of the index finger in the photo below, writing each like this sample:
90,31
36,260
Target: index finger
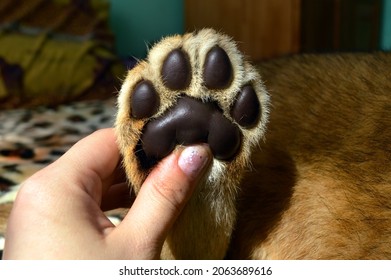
92,163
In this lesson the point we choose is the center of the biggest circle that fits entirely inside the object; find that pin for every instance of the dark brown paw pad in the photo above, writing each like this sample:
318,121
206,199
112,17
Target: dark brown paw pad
246,109
217,69
176,70
145,100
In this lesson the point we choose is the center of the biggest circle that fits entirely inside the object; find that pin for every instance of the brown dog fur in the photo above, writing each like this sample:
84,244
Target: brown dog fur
316,185
320,187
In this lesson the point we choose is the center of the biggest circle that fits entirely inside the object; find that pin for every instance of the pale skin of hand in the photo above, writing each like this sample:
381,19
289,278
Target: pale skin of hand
58,211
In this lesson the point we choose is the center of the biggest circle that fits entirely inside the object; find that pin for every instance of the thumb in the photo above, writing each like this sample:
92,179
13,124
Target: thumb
160,201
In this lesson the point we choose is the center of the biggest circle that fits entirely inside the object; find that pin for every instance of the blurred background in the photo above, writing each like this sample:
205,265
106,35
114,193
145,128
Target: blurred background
54,51
264,28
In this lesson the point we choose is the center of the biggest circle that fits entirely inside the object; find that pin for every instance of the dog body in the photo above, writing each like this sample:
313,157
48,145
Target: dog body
320,184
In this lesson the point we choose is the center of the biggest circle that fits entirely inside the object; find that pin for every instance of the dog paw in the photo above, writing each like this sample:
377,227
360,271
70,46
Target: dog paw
195,88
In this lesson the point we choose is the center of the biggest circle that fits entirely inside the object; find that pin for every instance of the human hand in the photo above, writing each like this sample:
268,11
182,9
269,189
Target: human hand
58,211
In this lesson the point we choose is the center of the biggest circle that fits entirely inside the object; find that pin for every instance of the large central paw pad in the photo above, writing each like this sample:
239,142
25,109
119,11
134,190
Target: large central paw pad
193,89
189,122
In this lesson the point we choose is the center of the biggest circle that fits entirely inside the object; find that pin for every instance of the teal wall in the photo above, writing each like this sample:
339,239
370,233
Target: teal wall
137,23
385,41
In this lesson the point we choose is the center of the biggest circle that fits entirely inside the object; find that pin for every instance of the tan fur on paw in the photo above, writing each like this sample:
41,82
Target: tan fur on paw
205,75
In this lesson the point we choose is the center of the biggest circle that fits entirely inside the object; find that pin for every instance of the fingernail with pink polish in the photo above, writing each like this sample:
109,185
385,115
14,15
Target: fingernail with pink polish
192,160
